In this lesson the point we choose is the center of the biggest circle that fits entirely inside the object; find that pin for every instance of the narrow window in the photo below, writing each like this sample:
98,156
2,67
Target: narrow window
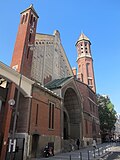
30,37
22,20
90,82
81,77
33,24
31,19
36,115
51,115
87,68
26,17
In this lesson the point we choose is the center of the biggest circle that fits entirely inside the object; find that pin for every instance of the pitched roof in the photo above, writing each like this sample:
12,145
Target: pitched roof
57,83
30,7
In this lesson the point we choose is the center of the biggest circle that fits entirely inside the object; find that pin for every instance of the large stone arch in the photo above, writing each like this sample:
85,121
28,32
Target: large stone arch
71,105
72,111
71,115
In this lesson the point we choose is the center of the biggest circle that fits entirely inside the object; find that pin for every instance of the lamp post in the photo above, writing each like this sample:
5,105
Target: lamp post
13,140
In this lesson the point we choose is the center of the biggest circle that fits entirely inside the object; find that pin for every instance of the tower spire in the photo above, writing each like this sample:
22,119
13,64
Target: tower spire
85,61
22,55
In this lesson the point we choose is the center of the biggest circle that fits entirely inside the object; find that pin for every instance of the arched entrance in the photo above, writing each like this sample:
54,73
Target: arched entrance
72,115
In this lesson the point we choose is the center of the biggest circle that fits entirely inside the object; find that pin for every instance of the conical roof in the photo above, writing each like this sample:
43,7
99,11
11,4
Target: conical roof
83,37
31,7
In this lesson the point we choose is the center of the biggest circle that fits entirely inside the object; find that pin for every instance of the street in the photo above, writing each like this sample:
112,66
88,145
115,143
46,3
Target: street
88,153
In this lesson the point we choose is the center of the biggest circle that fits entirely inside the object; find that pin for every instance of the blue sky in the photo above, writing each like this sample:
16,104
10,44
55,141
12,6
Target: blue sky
98,19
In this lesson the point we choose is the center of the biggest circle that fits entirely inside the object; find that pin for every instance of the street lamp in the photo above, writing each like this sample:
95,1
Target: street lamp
11,102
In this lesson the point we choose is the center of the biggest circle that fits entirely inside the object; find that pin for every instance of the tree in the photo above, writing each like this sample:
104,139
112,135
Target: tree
107,116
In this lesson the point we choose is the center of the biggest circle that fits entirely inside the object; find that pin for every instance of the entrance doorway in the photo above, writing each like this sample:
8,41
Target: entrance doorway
72,115
35,140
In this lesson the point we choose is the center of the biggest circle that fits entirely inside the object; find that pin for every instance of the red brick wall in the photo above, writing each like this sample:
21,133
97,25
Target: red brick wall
89,112
42,98
21,49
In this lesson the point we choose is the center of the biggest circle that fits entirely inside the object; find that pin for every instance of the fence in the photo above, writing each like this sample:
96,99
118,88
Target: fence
90,154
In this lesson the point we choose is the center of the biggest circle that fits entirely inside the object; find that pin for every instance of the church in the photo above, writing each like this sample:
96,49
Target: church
55,103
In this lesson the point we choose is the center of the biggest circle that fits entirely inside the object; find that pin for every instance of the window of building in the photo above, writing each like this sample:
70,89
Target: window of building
34,22
22,20
30,37
87,68
90,82
51,115
26,17
31,19
81,77
36,120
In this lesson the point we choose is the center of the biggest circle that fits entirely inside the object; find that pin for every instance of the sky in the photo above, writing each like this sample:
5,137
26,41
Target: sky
99,20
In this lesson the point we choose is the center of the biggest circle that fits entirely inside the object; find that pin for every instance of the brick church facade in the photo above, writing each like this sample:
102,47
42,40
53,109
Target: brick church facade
61,105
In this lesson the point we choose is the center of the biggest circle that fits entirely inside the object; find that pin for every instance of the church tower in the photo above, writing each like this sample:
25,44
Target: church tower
85,62
22,55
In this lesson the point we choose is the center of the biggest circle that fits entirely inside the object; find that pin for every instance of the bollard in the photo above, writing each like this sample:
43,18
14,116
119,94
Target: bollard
70,157
94,153
102,150
105,149
80,156
88,155
98,152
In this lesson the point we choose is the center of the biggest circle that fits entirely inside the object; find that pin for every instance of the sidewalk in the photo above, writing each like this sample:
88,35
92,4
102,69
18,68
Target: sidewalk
83,154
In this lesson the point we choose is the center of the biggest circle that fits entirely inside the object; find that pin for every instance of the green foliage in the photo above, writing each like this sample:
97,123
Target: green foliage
107,114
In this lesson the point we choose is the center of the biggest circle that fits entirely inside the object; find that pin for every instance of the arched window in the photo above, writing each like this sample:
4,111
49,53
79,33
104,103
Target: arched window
30,37
26,17
87,69
31,19
22,20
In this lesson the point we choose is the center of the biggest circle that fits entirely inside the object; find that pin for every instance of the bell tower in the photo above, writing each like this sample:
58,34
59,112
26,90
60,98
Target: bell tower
85,62
22,54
